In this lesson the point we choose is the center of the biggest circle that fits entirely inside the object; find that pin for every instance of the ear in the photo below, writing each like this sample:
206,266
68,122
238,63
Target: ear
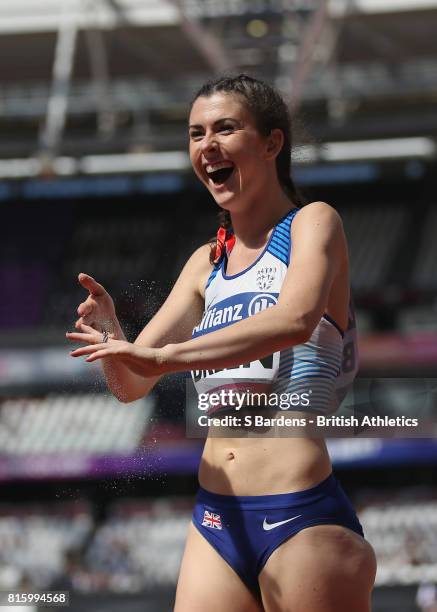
275,140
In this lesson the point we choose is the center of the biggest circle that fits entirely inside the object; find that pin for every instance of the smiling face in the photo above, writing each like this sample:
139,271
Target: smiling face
227,152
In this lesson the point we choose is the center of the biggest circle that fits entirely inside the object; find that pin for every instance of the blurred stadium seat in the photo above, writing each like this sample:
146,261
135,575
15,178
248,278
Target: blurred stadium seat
97,496
80,423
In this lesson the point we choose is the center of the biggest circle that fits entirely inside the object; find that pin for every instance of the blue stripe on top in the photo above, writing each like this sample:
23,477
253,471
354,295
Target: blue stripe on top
212,275
280,242
279,245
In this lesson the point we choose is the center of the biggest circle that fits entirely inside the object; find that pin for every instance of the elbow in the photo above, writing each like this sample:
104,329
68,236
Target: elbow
302,335
123,399
302,329
126,398
131,391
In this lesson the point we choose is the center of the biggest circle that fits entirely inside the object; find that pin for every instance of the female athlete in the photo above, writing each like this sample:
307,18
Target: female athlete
272,529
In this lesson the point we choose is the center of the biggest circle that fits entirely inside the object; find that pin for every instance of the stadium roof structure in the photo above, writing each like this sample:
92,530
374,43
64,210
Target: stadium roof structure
87,77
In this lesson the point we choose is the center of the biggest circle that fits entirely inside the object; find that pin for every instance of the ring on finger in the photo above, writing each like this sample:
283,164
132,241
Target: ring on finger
105,336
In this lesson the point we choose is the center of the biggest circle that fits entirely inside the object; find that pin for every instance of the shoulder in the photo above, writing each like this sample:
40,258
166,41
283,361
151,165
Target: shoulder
318,211
198,267
317,216
199,260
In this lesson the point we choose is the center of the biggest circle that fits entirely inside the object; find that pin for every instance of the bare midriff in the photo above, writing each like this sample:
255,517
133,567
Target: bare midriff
263,465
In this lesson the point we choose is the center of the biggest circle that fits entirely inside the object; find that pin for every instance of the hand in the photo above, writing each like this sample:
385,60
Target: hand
141,360
98,311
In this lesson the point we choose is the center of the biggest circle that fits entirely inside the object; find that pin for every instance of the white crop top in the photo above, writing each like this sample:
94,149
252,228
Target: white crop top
323,368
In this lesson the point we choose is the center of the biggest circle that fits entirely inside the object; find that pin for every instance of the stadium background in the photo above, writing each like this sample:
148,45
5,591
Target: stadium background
95,496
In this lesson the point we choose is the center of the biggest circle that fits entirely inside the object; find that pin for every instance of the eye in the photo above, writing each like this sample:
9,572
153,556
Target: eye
227,128
196,134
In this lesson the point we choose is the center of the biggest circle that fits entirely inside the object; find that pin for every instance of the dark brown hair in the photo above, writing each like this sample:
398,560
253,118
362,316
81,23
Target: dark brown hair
270,112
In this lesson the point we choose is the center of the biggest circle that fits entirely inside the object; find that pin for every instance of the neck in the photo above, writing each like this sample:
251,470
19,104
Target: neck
252,224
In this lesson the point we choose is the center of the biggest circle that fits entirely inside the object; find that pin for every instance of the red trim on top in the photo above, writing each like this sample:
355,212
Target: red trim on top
222,244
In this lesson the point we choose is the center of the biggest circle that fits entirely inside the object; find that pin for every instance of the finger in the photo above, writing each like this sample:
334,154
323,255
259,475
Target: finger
91,323
80,337
84,327
98,355
88,282
89,330
84,309
88,324
87,350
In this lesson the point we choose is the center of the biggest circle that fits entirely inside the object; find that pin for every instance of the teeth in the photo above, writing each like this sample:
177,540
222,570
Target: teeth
218,166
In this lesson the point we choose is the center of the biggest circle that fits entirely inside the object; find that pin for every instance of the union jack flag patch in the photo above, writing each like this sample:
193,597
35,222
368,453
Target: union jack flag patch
211,519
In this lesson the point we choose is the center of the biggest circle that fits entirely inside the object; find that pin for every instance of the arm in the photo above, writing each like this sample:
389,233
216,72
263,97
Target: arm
319,250
319,253
172,323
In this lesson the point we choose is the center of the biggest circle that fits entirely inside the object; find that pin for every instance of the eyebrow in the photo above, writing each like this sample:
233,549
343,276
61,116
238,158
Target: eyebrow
215,122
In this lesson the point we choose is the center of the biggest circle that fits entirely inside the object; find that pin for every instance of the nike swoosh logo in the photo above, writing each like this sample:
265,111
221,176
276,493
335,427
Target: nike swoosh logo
267,526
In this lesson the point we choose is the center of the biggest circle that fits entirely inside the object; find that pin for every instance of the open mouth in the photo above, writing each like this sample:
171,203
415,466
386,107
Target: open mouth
221,175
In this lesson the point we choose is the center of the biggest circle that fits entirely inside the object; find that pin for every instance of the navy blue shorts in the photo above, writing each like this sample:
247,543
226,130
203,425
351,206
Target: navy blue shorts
245,530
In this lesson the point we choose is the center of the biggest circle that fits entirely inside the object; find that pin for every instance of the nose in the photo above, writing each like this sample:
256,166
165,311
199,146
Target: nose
209,142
